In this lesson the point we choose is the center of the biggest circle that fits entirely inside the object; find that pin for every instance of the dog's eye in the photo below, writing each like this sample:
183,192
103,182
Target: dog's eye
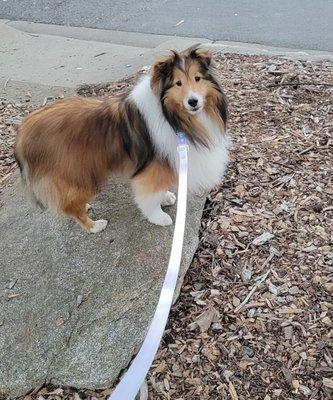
178,83
197,78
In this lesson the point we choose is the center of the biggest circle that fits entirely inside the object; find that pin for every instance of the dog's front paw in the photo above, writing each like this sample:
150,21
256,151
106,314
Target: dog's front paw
99,226
169,199
161,218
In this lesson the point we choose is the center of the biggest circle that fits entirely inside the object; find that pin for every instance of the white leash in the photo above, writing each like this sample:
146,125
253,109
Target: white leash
131,382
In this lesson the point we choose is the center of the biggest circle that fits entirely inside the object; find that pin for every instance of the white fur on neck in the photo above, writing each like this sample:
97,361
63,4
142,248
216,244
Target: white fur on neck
206,165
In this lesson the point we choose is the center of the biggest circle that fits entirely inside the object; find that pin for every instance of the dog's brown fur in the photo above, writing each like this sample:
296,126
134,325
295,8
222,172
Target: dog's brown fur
67,150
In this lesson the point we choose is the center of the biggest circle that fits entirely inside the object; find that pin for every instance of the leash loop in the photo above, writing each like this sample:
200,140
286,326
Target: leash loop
132,380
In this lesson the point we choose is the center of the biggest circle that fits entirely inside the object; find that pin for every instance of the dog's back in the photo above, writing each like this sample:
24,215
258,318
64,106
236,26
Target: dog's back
56,151
67,150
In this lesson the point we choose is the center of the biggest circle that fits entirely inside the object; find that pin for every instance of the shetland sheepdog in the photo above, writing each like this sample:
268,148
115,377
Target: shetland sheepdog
67,150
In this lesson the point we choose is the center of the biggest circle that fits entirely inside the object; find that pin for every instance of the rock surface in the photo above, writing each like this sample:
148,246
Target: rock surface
74,307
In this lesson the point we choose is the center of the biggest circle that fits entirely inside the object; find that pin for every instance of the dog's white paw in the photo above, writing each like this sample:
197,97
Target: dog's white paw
88,207
99,226
169,199
161,218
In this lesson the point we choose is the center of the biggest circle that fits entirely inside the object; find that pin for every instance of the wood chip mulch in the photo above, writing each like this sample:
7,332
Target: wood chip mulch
254,319
10,116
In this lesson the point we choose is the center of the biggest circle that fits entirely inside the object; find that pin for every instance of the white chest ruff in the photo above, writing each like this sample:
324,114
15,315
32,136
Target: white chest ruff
206,165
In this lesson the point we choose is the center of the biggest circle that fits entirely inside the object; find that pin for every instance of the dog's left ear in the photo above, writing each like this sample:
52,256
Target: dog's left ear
204,55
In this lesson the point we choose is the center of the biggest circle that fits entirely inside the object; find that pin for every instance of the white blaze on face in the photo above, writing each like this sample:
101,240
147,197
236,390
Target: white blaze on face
193,102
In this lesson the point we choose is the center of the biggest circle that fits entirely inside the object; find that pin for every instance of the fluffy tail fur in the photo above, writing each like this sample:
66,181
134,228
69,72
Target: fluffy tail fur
27,186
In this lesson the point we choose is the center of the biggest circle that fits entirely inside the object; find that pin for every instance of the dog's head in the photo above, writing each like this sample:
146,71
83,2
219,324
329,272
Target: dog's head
186,86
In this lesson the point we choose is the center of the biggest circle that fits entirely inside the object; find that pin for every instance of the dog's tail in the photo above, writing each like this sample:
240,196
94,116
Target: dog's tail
26,183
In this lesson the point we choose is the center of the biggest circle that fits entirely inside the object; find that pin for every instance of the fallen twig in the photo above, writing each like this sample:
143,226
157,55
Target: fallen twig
5,85
255,287
306,150
259,282
232,391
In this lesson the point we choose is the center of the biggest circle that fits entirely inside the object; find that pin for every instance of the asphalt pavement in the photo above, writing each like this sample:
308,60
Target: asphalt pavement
303,24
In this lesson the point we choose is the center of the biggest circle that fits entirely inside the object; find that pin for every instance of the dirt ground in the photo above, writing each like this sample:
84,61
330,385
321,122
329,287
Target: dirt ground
254,319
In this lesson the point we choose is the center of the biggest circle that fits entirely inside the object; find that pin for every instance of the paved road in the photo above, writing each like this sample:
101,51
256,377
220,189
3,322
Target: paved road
306,24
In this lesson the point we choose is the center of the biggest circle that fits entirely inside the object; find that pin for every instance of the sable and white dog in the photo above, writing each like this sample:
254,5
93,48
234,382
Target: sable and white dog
67,150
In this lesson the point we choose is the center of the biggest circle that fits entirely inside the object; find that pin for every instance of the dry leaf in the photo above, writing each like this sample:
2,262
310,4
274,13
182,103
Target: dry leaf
240,191
262,239
12,283
246,274
58,321
79,300
328,382
205,320
160,367
288,332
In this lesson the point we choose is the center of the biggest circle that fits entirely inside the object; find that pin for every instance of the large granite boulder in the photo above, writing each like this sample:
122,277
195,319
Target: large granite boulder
74,307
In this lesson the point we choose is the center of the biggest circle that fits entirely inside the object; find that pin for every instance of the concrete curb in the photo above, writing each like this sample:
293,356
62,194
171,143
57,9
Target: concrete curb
91,34
283,52
148,40
51,60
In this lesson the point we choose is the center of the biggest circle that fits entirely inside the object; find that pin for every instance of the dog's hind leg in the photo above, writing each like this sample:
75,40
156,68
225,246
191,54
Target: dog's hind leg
74,206
79,214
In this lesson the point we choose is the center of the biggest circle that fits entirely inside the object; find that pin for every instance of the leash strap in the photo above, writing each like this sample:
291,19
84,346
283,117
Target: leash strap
131,382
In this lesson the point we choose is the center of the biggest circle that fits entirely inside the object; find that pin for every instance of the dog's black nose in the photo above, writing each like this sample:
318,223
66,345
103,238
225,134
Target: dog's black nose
192,102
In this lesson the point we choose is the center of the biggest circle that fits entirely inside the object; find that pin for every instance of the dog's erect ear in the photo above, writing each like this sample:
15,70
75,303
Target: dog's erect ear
162,68
204,55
